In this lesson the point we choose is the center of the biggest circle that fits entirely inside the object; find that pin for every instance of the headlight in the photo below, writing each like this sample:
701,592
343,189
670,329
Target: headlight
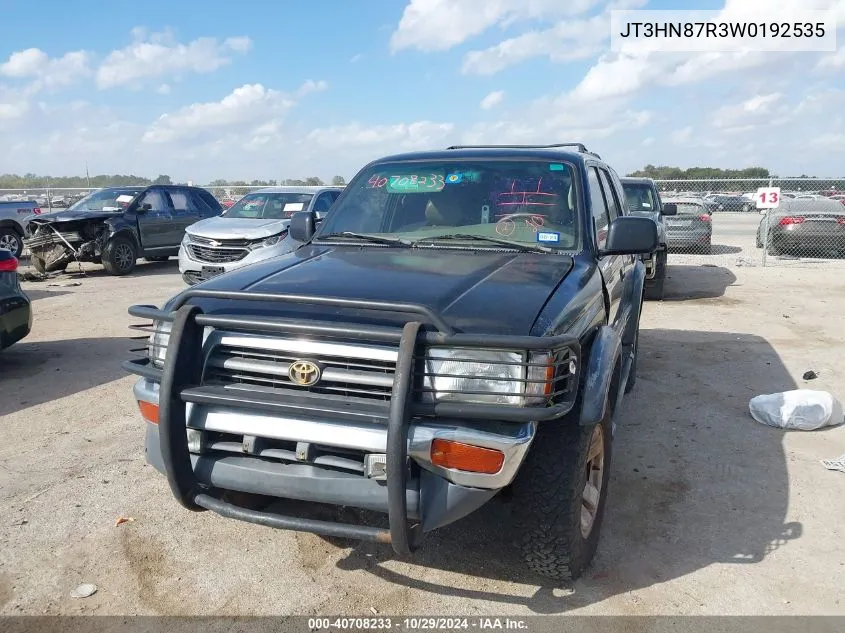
158,343
186,239
267,241
487,376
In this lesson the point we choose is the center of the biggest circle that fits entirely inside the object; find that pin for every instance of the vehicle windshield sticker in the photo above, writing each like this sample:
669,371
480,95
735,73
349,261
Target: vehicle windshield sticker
548,236
111,208
485,214
412,183
454,179
555,167
294,206
124,198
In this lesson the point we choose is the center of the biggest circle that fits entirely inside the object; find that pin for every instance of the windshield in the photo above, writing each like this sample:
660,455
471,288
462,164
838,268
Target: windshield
521,201
106,200
640,197
269,206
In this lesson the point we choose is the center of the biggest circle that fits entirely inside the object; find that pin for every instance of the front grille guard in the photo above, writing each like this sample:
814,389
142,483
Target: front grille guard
180,382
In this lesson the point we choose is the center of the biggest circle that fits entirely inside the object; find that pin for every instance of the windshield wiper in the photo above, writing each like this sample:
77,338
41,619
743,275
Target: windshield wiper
375,239
536,248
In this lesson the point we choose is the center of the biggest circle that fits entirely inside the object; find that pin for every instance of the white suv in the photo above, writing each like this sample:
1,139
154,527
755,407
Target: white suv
253,229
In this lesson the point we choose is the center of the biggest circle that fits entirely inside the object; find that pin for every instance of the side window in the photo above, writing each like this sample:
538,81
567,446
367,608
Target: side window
335,195
323,202
200,203
601,220
182,202
212,202
155,198
613,205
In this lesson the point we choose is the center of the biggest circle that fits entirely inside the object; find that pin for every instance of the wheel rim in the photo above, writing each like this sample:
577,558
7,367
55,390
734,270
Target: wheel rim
591,495
10,243
123,256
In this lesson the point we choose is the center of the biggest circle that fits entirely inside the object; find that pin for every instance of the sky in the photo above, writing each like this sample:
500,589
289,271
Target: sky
290,89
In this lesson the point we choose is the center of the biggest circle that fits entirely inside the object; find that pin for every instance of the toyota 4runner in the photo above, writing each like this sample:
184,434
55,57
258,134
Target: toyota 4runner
463,321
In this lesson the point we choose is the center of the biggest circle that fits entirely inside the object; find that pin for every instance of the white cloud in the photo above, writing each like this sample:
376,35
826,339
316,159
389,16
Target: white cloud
493,99
438,25
158,54
760,110
568,40
163,89
13,110
249,105
45,72
648,141
682,135
406,136
356,58
310,86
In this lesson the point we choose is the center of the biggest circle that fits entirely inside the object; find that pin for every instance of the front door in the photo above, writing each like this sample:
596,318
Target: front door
155,224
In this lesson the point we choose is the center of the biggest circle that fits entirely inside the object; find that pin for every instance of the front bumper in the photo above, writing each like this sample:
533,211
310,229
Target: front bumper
195,270
416,495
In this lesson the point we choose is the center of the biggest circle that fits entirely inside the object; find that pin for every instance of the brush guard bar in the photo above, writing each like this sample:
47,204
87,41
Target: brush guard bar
180,383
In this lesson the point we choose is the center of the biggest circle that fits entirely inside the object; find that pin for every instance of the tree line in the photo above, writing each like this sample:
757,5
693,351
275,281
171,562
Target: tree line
34,181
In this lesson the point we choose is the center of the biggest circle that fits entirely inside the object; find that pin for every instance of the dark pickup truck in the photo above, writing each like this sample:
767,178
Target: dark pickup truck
117,225
643,199
463,322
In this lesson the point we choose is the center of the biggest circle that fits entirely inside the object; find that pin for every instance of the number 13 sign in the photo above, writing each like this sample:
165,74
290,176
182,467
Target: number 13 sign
768,197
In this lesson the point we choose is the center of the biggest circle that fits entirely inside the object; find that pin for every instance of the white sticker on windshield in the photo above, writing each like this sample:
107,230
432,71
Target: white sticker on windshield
111,208
294,206
124,198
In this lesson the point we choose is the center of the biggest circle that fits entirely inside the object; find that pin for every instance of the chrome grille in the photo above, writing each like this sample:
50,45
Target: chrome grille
348,370
214,255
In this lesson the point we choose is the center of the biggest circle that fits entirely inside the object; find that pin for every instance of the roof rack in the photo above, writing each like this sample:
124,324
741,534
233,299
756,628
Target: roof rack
581,147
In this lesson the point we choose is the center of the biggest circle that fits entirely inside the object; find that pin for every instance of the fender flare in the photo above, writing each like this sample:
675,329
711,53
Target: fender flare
598,375
636,301
122,230
11,224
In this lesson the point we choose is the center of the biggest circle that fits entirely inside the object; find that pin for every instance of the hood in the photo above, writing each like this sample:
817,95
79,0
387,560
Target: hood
223,228
71,215
475,291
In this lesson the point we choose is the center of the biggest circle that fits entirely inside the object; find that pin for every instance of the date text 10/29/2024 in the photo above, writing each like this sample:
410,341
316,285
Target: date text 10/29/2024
416,624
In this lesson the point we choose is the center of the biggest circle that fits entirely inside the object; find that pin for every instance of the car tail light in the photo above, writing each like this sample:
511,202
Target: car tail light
840,221
791,219
8,265
704,217
37,211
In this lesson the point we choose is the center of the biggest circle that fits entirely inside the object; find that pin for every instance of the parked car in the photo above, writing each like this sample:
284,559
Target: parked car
253,229
691,228
15,307
803,226
14,218
117,225
732,203
463,321
643,199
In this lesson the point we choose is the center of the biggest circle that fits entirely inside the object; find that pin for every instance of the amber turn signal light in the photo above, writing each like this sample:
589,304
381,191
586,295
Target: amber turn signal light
149,411
474,459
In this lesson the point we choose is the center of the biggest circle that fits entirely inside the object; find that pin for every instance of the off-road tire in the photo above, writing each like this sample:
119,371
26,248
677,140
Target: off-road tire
119,256
548,495
653,290
157,258
9,236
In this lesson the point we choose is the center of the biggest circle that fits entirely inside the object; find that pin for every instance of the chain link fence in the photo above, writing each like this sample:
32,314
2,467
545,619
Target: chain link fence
719,222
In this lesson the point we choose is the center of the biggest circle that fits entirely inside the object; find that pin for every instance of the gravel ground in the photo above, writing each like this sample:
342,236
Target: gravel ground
709,511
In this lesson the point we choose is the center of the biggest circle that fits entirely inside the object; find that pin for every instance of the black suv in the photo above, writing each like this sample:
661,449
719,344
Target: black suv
463,322
117,225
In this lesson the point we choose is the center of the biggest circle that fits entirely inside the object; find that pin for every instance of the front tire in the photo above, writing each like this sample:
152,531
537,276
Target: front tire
12,241
654,287
119,256
560,495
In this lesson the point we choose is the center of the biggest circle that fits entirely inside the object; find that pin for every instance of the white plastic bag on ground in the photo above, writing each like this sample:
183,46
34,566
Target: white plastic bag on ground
800,409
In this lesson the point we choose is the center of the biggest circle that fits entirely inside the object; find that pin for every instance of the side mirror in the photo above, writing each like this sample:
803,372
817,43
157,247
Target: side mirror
631,235
302,226
670,208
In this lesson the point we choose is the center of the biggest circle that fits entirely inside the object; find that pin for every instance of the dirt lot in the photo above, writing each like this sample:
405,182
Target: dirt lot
709,512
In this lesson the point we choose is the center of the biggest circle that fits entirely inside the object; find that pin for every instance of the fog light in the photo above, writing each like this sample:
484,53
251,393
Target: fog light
474,459
196,441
